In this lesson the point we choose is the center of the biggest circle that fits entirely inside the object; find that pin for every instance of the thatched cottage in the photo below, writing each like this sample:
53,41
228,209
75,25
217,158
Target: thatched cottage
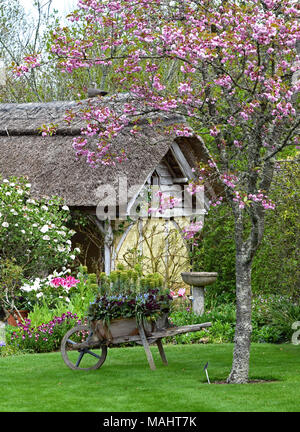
154,158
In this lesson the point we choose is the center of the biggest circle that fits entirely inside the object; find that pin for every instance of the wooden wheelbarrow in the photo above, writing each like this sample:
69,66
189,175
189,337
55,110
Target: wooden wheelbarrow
91,342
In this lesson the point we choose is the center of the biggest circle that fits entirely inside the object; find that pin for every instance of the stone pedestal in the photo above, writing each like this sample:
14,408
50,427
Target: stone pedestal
198,280
198,300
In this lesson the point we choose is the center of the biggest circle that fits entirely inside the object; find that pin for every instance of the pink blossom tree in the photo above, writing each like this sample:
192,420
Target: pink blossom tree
229,67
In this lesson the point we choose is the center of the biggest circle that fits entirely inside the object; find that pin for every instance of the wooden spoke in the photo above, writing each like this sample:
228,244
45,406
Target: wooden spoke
87,358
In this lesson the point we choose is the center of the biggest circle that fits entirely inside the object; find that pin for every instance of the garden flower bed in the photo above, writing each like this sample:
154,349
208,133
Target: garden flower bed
45,337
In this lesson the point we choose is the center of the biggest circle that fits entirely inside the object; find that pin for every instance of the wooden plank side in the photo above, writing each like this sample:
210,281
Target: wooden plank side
171,331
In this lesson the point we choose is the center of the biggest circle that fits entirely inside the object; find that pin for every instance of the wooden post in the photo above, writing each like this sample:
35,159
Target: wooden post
162,352
140,229
167,229
146,346
108,242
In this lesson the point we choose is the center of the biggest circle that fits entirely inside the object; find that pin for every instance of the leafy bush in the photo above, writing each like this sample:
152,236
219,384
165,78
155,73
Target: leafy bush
7,350
276,264
272,319
278,313
276,267
266,334
10,279
216,253
33,232
222,318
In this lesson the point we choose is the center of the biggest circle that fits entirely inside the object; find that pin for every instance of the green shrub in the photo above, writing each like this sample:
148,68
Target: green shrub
266,334
222,318
216,253
33,233
275,268
272,319
277,312
7,350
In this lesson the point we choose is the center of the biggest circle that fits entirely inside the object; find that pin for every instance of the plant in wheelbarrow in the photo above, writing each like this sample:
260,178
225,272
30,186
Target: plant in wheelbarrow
126,303
137,313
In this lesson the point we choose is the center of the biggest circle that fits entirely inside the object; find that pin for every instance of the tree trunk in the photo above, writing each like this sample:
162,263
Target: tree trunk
241,355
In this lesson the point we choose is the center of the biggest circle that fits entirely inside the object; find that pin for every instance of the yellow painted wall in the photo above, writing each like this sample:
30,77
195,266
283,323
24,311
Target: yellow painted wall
151,252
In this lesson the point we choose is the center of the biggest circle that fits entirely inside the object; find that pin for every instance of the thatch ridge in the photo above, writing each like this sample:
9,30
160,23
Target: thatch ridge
27,118
50,162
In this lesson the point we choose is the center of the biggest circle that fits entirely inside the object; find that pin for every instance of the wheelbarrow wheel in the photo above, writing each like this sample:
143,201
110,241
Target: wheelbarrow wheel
88,358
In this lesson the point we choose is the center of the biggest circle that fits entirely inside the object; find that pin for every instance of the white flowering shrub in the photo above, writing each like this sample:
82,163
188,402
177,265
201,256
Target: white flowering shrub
59,290
41,291
33,233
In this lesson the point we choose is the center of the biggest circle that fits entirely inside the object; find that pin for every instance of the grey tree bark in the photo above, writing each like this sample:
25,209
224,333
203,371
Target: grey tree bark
241,355
247,242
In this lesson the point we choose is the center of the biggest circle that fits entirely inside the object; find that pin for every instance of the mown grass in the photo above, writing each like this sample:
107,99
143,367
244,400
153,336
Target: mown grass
42,382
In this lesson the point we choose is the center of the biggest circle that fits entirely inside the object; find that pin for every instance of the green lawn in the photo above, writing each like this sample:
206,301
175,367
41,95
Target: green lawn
42,382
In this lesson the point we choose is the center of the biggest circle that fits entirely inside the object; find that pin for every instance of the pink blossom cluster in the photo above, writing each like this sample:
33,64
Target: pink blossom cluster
240,199
243,199
191,230
194,188
48,130
229,180
180,293
263,199
165,202
68,282
104,124
30,62
216,202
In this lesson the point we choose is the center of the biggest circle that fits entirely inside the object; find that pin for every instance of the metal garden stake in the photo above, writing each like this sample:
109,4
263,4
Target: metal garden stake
205,368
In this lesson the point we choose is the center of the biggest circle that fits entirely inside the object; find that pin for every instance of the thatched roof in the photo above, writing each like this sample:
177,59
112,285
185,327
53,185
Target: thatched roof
50,162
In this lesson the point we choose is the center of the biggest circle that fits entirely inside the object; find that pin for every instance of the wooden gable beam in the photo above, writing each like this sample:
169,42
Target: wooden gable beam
181,160
185,166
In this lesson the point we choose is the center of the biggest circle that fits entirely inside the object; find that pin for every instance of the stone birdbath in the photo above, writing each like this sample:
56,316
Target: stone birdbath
198,281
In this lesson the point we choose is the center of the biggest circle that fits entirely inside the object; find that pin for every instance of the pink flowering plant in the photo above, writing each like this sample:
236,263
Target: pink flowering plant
60,290
164,202
49,291
43,338
181,300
